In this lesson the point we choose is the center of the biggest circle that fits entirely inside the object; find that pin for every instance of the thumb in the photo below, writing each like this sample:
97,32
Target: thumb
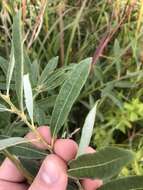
52,175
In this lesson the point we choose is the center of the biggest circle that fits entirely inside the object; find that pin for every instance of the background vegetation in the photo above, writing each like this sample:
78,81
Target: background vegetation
110,31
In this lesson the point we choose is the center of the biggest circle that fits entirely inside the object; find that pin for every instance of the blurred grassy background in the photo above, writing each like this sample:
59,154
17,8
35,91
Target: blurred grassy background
110,31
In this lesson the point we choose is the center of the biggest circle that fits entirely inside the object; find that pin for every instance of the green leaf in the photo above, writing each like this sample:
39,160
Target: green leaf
10,70
55,79
117,52
125,84
32,166
50,67
103,164
27,151
34,74
47,102
40,116
27,63
28,95
98,73
87,130
54,76
58,82
127,183
69,92
18,55
8,142
3,108
108,92
115,100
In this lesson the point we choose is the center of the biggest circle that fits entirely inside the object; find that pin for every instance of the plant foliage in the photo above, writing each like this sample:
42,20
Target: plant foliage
55,71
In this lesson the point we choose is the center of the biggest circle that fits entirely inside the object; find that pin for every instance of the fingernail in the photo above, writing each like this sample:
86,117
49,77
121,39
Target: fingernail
50,173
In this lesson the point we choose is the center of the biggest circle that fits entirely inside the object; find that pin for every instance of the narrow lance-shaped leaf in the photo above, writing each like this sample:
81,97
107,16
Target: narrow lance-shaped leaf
8,142
117,52
57,82
87,130
34,73
58,74
10,70
27,63
27,151
127,183
28,95
125,84
56,78
52,64
69,92
104,164
45,103
18,55
23,148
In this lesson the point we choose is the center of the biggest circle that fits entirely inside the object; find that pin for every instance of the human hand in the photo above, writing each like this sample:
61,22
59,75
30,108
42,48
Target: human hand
53,172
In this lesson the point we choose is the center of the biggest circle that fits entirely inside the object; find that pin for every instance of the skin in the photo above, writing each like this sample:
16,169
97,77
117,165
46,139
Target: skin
53,172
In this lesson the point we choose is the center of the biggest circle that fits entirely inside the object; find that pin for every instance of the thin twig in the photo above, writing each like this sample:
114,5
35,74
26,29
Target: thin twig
38,23
106,39
24,2
24,119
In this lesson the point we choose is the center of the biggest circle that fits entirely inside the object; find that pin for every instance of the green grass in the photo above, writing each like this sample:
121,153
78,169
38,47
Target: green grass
74,30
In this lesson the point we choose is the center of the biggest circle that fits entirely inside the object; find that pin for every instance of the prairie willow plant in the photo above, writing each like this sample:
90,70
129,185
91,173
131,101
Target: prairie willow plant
22,81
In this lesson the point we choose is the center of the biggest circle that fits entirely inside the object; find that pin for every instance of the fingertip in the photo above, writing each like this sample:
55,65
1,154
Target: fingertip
90,150
66,149
89,184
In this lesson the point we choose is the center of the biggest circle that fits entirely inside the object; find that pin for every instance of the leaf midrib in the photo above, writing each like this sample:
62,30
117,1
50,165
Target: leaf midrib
66,101
13,144
33,150
98,165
